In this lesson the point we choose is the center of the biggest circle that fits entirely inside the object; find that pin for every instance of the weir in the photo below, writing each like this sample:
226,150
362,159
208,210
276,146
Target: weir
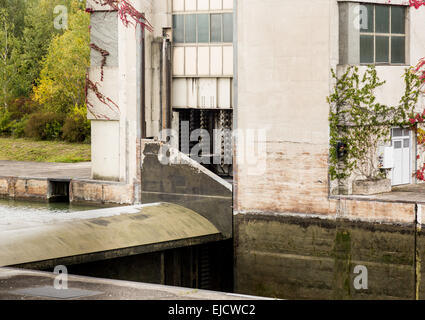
180,235
99,234
284,232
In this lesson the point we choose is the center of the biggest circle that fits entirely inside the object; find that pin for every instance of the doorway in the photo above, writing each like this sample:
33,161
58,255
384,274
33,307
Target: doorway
401,142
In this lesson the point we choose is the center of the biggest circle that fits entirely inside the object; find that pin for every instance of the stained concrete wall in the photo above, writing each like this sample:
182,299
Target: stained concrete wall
312,258
100,192
24,188
283,68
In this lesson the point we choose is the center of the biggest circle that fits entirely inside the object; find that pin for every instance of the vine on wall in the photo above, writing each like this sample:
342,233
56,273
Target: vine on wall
128,16
127,13
358,123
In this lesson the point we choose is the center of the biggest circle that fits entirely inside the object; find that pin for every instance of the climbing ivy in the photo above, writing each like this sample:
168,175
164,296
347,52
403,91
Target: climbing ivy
358,123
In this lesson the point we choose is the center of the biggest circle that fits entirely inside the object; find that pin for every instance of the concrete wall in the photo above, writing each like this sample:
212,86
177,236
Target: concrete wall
100,192
185,182
283,69
105,150
24,188
312,258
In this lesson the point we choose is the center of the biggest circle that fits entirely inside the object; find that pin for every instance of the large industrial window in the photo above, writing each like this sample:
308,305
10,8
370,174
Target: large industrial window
178,28
216,28
190,28
383,37
203,28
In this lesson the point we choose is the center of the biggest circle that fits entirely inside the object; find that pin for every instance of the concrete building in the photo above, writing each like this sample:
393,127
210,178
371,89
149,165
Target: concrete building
261,68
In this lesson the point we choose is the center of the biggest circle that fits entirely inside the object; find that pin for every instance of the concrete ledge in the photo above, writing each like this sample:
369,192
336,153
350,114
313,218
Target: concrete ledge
13,281
81,190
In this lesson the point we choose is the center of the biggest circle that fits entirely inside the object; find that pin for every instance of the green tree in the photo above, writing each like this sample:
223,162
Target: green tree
61,85
8,54
15,10
36,37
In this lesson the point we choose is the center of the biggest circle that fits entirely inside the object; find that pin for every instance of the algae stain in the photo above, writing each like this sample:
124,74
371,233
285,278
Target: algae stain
342,265
418,274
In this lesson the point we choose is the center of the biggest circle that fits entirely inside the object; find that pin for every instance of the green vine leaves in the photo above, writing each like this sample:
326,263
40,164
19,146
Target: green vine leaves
359,123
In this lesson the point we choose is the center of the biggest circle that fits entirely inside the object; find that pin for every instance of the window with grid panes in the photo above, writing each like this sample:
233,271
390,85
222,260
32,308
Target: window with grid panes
383,37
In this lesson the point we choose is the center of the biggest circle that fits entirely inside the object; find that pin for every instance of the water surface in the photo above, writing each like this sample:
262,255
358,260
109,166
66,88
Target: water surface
14,206
24,212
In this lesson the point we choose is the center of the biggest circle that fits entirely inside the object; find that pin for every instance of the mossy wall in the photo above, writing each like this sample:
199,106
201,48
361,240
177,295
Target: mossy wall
307,258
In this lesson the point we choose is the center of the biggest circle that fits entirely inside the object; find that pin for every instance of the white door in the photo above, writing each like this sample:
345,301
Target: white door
401,142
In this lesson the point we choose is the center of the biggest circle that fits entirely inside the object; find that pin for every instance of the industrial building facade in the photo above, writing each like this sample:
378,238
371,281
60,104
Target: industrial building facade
263,69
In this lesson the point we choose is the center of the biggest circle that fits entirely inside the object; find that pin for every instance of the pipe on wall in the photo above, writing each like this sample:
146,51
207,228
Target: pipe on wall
165,83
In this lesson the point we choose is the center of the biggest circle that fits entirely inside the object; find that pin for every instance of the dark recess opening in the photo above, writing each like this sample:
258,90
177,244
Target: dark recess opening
59,190
206,266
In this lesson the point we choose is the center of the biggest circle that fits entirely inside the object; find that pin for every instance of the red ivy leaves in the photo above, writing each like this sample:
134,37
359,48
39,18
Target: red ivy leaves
129,16
127,13
420,174
104,54
419,118
416,3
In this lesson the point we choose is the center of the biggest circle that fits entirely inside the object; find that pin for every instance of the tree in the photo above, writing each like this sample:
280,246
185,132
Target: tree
36,37
16,13
8,44
61,84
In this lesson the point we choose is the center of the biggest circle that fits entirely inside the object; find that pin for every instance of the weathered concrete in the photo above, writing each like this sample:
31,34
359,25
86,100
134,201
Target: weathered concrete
102,233
312,258
367,187
101,192
12,280
23,188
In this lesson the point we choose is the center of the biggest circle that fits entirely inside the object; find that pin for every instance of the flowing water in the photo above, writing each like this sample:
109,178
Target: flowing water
12,211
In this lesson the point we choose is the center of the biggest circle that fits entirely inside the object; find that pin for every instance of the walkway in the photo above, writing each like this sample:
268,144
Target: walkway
18,284
45,170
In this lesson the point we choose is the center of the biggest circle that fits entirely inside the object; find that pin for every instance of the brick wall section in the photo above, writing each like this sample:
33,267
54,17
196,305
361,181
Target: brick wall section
296,180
